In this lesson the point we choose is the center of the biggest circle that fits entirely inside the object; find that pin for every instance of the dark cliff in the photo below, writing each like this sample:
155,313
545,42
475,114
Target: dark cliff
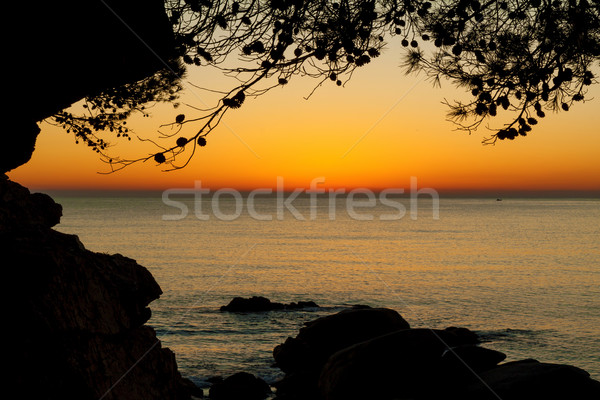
75,319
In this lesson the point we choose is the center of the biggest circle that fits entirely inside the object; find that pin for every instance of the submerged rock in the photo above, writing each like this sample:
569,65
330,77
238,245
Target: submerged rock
259,303
240,386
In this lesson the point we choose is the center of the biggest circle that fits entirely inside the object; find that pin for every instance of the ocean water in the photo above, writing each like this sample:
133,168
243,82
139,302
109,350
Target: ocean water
523,273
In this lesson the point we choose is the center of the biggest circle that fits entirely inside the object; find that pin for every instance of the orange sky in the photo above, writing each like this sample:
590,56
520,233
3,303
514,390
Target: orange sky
377,132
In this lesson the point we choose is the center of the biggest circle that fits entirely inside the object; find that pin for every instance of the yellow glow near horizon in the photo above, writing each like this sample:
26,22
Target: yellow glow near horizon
377,132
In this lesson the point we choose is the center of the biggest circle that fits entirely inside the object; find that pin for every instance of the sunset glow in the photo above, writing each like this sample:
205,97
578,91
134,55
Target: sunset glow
378,131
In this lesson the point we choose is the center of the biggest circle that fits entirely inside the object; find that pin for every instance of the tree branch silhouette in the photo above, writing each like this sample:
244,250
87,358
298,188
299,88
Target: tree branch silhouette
520,58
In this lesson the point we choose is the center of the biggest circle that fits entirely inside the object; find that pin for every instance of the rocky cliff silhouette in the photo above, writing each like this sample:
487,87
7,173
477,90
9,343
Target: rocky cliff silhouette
76,319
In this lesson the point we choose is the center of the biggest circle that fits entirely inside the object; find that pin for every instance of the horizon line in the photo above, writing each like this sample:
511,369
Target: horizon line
491,193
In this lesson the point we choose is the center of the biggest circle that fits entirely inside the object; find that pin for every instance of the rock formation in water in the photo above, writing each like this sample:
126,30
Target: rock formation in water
373,354
260,303
75,319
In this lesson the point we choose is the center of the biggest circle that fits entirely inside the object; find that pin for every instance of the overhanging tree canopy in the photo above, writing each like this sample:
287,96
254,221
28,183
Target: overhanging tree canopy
523,56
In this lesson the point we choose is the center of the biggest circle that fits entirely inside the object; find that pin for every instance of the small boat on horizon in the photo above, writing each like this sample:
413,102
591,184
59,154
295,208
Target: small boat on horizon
498,199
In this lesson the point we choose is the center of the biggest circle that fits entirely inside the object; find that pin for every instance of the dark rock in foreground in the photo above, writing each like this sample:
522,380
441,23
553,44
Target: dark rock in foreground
320,338
302,357
404,364
530,379
76,318
190,389
240,386
259,303
366,353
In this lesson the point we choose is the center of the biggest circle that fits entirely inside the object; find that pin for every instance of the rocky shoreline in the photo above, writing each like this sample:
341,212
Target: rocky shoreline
78,331
77,319
372,353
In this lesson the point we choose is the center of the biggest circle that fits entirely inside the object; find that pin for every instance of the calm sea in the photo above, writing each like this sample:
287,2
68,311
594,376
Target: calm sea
524,273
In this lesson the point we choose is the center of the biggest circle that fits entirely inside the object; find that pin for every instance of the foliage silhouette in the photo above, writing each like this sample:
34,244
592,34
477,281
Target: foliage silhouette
524,56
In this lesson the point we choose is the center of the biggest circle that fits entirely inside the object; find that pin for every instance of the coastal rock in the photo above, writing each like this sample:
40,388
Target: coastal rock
252,304
300,305
410,363
302,357
530,379
191,389
322,337
298,386
238,386
76,318
259,303
476,358
22,210
465,334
